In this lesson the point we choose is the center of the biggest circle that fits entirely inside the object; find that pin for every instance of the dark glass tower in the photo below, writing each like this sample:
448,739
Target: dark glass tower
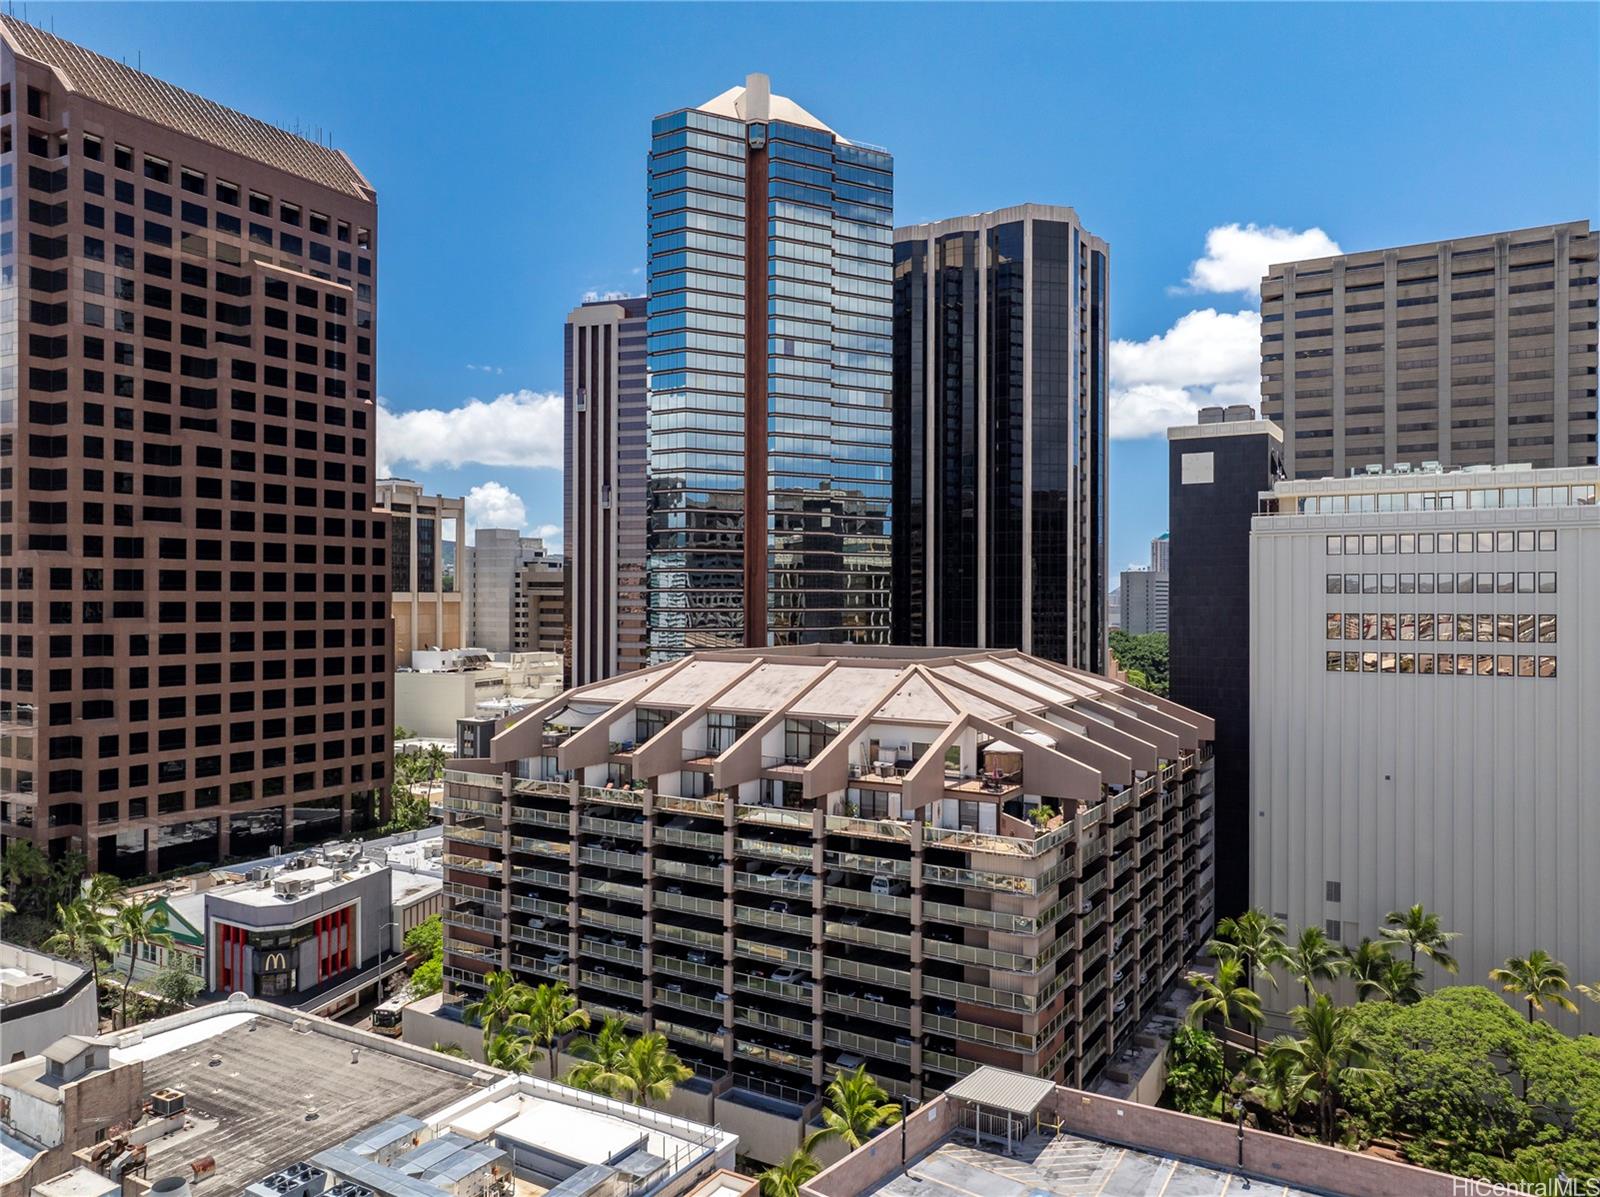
1000,434
769,355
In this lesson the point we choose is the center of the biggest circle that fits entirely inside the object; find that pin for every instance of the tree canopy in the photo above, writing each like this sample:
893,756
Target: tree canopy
1143,658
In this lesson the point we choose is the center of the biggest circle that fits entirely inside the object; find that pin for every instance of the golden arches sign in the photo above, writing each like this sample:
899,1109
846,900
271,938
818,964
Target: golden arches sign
274,962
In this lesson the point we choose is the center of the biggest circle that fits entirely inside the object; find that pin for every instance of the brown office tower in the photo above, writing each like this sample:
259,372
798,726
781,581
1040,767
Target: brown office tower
605,507
1476,351
195,592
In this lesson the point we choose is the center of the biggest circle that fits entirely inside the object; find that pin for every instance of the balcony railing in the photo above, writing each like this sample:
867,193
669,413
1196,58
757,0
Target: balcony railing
778,954
688,872
614,890
706,907
710,807
547,877
593,948
895,1015
632,862
782,989
799,887
934,874
617,828
471,922
772,850
690,936
776,816
558,849
713,1040
540,818
872,866
860,970
709,974
793,924
692,1002
591,917
611,984
888,941
539,906
706,841
471,806
556,940
974,1032
868,1045
866,900
461,777
765,1020
982,995
473,864
775,1057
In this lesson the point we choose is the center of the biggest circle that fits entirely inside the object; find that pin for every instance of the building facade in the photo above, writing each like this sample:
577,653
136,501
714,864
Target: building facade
605,494
770,345
193,572
1424,732
1161,553
1144,601
1474,351
494,567
1216,471
539,607
427,547
1000,434
794,860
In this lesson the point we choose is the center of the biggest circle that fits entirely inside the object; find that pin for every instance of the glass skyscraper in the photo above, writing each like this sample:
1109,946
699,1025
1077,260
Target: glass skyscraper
770,349
1000,363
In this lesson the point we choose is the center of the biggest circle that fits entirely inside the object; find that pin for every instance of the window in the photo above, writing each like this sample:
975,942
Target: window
1335,546
1547,629
157,169
1333,583
1334,662
1547,540
1547,667
1547,583
1335,625
1424,662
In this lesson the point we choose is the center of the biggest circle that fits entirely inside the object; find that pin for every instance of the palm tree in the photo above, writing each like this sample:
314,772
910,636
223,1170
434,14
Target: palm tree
1225,995
785,1179
510,1050
434,758
451,1049
1537,980
1312,959
5,906
1400,982
551,1012
83,932
1367,965
1592,992
653,1068
136,923
503,996
23,865
603,1066
1419,930
1274,1087
1328,1054
1256,940
858,1108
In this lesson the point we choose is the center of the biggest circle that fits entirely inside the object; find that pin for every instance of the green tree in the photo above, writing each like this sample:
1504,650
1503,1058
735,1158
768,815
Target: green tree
1328,1055
1272,1083
174,984
1224,996
434,759
452,1050
5,906
83,933
786,1179
1313,959
1366,965
1538,979
428,977
136,923
24,867
1256,940
602,1061
653,1068
857,1108
551,1012
1196,1070
1421,931
503,996
402,732
1145,656
427,937
511,1050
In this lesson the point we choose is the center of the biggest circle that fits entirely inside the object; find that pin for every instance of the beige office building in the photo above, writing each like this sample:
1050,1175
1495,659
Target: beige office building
1425,696
427,548
1475,351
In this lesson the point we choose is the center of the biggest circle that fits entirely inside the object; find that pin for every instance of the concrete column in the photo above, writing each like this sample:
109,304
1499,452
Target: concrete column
1502,348
1561,369
1338,367
1391,368
1288,381
1446,352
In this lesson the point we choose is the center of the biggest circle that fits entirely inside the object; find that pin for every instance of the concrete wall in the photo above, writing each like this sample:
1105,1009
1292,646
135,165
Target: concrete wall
1472,795
859,1171
30,1025
430,703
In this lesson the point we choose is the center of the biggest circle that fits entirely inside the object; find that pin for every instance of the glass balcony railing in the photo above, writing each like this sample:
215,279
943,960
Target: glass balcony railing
705,874
547,877
472,864
860,970
778,954
539,817
867,1045
471,806
894,1015
594,949
706,907
708,974
615,891
689,936
539,906
611,984
683,1000
796,886
753,916
750,1016
471,922
611,828
765,985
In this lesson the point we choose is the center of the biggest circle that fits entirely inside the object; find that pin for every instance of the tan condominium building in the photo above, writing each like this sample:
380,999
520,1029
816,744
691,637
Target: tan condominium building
194,595
794,860
1425,692
539,607
427,549
1478,350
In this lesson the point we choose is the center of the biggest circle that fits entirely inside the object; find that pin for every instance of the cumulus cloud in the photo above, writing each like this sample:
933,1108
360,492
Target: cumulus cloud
550,534
494,505
595,296
517,428
1206,357
486,369
1238,255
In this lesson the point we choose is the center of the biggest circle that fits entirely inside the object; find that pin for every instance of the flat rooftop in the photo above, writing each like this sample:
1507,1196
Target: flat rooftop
276,1095
1064,1166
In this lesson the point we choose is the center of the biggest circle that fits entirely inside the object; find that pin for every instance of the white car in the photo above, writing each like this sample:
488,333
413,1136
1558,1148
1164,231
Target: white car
882,884
787,976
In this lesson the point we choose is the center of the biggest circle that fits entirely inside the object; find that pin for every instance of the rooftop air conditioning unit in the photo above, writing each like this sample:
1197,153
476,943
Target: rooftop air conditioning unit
165,1103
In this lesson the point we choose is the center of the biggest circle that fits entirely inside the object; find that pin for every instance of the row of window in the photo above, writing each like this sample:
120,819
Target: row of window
1425,625
1462,664
1502,582
1479,498
1505,540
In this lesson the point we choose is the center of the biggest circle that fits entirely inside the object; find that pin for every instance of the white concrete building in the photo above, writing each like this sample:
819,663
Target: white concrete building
495,564
1425,698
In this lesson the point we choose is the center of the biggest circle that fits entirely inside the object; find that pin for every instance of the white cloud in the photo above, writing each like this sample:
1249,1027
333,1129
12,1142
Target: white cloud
486,369
1206,357
550,534
1238,255
493,505
595,296
518,428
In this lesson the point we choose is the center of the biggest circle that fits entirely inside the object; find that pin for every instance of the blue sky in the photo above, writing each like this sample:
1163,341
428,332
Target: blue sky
507,143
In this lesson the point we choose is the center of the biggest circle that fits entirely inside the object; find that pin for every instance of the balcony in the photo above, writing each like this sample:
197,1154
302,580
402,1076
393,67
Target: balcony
862,899
683,837
973,1032
765,1020
471,806
706,974
691,937
792,924
555,849
557,819
888,941
954,1065
682,999
874,1011
627,924
631,862
705,874
711,1040
773,1056
481,781
982,995
711,808
792,991
625,829
472,864
539,906
615,891
785,879
600,950
868,1045
546,877
860,970
471,922
705,907
610,984
525,933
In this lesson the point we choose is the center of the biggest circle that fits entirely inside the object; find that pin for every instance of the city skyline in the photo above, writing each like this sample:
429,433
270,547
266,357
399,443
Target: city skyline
1182,308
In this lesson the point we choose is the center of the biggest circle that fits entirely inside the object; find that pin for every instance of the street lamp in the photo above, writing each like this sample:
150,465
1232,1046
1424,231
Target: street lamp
1238,1112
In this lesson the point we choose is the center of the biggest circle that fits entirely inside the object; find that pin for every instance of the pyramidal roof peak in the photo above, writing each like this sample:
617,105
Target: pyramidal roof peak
755,102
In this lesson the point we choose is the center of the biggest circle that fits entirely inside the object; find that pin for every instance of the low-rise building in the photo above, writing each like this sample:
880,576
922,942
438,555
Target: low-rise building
244,1097
1425,691
794,860
42,998
443,687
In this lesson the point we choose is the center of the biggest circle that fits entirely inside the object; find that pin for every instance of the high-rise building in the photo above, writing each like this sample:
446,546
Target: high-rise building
1161,553
195,610
1478,350
605,508
427,548
1216,472
1425,734
770,345
1144,601
791,860
539,607
1000,434
494,570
